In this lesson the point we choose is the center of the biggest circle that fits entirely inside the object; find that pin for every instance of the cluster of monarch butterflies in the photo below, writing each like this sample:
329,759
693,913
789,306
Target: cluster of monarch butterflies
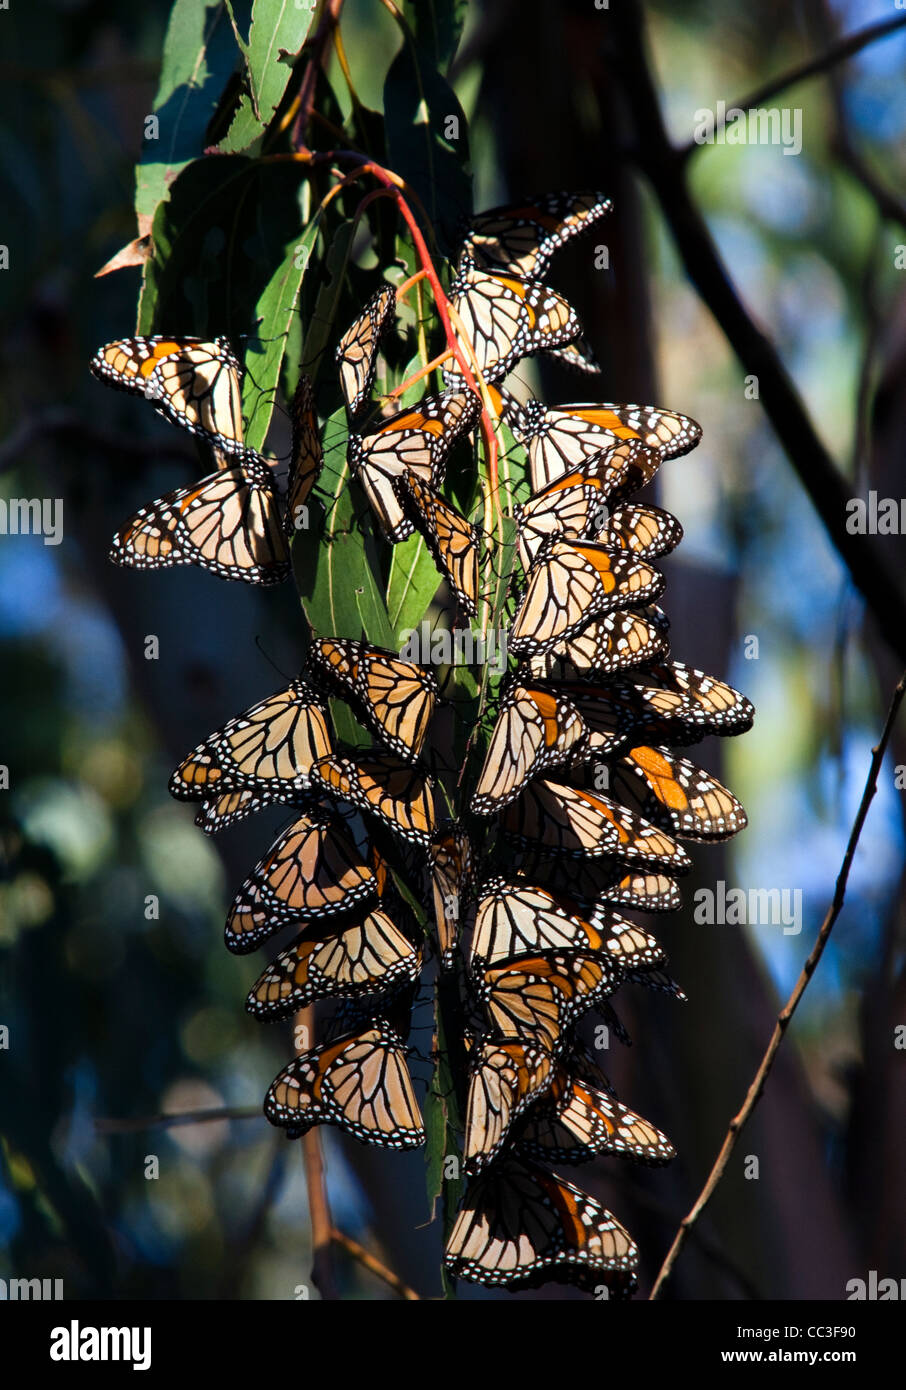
576,815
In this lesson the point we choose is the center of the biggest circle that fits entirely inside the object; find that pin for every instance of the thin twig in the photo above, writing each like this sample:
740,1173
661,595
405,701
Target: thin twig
837,53
322,1271
303,106
829,491
891,207
67,424
756,1089
108,1125
373,1264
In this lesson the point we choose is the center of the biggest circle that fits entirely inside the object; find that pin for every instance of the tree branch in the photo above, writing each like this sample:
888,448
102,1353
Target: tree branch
322,1270
837,53
755,1091
373,1264
827,487
105,1125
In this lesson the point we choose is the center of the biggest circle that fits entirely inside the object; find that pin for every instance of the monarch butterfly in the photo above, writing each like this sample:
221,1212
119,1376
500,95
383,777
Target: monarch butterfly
393,698
452,870
562,439
502,319
610,714
366,956
599,884
513,918
306,458
673,792
536,728
572,506
520,1226
452,541
572,582
643,530
537,997
269,749
359,1082
506,1076
227,523
614,642
219,812
578,356
567,820
191,382
356,352
417,440
689,703
657,979
577,1122
522,237
312,870
400,795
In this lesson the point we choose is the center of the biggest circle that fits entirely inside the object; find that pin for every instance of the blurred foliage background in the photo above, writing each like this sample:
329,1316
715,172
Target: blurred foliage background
119,998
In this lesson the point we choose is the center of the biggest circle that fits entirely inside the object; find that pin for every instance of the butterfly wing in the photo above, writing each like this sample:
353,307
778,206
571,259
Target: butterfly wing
366,956
356,353
506,1076
536,728
359,1082
401,796
312,870
269,750
193,383
501,318
569,821
306,459
452,869
227,523
577,1123
522,237
573,582
394,699
416,440
452,541
520,1226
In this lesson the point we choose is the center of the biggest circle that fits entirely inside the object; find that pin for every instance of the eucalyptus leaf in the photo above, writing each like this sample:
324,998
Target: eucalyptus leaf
277,34
199,58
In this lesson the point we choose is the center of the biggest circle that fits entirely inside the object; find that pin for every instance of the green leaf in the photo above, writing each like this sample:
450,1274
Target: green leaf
371,607
198,59
219,241
277,34
427,138
277,314
412,585
437,27
325,571
322,322
441,1114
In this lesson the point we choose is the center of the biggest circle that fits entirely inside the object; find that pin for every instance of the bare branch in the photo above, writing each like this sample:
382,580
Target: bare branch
166,1120
322,1270
837,53
373,1264
827,487
756,1089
